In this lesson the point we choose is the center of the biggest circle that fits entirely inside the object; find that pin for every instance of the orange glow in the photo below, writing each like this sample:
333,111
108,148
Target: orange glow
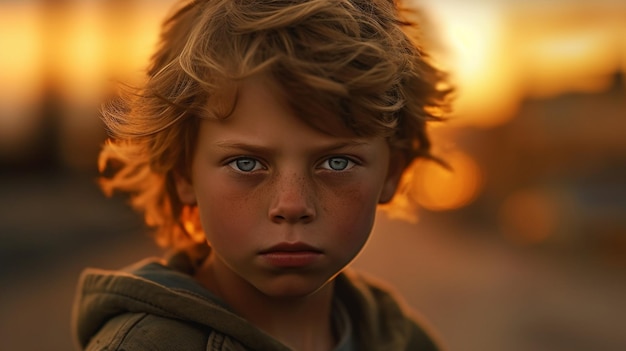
472,36
436,188
20,61
20,71
429,185
99,41
497,52
132,29
81,49
579,58
500,52
73,42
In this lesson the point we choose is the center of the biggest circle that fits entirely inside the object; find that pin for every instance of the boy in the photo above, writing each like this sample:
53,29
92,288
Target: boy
259,148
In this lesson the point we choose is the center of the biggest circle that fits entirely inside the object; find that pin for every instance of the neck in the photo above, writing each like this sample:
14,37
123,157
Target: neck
302,323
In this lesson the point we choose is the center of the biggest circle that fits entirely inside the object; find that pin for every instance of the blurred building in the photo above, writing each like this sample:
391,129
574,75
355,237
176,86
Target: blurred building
556,173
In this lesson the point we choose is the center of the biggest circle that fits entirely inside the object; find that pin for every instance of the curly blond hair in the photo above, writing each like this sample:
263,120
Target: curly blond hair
352,57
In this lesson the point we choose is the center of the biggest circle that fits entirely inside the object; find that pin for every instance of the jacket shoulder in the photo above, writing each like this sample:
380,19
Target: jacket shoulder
382,317
147,332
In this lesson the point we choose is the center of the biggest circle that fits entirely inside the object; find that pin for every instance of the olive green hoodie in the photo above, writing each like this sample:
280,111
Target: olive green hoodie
157,305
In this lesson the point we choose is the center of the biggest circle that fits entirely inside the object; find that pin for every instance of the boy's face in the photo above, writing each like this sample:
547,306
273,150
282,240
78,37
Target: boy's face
284,206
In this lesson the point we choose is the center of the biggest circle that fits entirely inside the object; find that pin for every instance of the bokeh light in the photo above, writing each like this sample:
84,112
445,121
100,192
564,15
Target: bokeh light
438,188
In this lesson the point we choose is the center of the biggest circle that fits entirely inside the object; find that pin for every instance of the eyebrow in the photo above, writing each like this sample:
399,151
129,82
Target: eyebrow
229,144
225,144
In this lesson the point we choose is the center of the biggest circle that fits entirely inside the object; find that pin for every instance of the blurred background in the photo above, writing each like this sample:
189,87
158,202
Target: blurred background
522,247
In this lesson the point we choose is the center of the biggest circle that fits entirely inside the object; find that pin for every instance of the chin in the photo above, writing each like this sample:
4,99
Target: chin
292,287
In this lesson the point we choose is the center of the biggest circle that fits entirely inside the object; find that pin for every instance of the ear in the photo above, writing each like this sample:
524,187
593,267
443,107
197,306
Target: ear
397,164
185,190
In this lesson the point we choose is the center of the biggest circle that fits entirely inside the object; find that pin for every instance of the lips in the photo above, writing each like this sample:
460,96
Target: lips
291,247
291,255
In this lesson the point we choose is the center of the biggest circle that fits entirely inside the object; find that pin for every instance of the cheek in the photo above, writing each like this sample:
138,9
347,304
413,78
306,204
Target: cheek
226,214
353,210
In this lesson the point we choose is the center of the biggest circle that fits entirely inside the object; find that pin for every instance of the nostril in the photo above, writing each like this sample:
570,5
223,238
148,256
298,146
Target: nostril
303,215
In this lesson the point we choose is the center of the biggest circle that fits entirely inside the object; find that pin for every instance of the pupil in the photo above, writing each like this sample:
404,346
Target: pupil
338,164
245,164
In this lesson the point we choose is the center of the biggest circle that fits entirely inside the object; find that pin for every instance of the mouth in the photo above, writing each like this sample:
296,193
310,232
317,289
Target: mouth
291,255
290,248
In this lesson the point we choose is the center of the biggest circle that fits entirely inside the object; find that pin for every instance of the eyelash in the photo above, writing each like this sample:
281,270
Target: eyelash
234,164
258,165
350,163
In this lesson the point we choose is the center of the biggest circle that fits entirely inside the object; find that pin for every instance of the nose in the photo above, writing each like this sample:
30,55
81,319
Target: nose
292,201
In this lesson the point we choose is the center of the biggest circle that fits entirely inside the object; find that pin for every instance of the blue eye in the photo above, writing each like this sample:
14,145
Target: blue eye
245,164
338,164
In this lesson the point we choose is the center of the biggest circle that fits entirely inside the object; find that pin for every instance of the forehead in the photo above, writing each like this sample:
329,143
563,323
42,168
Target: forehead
263,97
262,121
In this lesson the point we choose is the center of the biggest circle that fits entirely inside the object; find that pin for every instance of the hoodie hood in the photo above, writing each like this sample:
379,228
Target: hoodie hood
167,290
154,288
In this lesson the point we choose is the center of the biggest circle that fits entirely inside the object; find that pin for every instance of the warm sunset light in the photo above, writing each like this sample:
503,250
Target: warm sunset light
20,72
591,53
574,51
100,42
499,52
437,188
472,52
77,51
21,56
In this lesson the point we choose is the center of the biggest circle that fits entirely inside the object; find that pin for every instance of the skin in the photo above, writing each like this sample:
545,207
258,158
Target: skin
261,178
